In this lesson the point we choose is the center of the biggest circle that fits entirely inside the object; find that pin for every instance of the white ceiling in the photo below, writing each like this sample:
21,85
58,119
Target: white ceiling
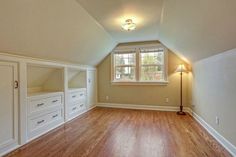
85,31
112,13
194,29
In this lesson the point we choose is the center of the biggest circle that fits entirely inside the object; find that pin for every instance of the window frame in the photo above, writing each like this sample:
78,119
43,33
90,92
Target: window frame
137,49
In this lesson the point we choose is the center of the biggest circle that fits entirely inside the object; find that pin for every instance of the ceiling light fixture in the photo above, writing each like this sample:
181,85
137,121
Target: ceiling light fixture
129,25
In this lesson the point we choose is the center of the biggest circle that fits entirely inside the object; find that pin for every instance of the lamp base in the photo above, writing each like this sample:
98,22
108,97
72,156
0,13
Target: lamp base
181,113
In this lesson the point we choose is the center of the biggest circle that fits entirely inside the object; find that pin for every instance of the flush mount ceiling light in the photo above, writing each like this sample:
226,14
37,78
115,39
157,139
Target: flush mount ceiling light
129,25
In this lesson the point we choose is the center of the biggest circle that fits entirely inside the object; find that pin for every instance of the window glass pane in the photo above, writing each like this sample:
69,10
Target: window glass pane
125,73
125,59
152,73
153,57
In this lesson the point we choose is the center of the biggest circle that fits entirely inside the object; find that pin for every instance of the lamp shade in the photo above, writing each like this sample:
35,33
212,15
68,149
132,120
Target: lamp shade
181,68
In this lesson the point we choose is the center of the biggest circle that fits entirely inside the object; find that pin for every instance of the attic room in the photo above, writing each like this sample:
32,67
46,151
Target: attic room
134,78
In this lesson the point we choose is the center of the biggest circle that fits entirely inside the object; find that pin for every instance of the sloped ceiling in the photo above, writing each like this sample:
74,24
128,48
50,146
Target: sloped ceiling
194,29
85,31
52,29
197,29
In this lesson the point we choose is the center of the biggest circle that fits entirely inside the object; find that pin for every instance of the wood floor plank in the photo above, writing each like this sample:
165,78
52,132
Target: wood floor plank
104,132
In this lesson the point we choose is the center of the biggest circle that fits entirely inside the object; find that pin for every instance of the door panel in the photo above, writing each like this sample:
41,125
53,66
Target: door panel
91,81
8,106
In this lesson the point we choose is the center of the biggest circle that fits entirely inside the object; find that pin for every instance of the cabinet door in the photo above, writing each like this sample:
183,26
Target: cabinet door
91,88
8,106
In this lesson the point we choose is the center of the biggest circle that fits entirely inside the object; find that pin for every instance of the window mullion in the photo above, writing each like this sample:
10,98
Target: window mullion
138,67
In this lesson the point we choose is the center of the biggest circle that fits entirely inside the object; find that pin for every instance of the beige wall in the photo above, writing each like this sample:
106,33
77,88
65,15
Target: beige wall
142,94
214,92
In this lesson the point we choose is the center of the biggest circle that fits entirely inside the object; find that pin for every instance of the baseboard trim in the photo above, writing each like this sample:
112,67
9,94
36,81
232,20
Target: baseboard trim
142,107
223,141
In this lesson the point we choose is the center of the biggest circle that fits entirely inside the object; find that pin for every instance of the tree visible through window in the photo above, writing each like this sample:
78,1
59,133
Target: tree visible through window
125,66
152,64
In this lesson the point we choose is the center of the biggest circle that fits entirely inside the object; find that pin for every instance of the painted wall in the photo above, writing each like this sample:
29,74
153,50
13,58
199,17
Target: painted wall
52,29
214,88
142,94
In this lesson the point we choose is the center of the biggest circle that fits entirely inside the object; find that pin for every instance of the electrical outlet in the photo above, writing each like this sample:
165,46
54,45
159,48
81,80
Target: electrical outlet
107,97
167,100
217,120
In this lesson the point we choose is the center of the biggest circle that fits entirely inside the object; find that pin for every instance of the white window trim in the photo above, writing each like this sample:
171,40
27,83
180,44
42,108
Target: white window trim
137,51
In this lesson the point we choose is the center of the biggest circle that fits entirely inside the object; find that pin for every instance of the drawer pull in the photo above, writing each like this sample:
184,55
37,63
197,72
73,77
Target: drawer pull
54,116
74,108
54,101
39,122
81,105
73,96
40,104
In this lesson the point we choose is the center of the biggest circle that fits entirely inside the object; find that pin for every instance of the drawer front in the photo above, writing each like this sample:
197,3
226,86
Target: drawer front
38,122
54,115
76,96
56,100
36,105
41,121
77,107
82,106
44,103
73,109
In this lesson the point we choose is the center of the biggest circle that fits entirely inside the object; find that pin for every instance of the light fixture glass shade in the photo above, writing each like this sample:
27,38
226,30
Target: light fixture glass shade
181,68
129,25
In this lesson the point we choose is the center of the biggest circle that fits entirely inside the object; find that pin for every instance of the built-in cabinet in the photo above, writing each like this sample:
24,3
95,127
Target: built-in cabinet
51,94
76,92
45,99
9,137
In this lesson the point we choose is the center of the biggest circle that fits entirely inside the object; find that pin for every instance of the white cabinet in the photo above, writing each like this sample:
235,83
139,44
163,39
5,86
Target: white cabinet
44,112
76,102
8,106
91,88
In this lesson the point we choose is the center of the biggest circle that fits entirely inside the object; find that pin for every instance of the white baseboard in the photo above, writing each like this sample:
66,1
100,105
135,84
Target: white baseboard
142,107
223,141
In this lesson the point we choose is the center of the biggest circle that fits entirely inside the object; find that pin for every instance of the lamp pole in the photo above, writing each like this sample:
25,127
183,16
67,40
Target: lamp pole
181,96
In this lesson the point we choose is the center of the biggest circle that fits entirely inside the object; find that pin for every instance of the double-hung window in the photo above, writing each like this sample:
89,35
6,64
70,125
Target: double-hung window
140,65
152,64
125,66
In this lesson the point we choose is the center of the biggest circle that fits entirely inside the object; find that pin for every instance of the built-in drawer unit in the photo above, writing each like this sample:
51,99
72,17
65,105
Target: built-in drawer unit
76,102
45,112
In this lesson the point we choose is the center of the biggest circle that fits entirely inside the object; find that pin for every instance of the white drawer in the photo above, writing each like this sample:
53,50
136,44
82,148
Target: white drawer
73,109
44,120
77,96
82,106
44,103
38,122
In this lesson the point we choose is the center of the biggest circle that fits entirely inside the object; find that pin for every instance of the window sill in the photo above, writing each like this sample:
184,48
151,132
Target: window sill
162,83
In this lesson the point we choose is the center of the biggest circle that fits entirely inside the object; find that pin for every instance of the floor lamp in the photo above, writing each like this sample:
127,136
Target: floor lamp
181,69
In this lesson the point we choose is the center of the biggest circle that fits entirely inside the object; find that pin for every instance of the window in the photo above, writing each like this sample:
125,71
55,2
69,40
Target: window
125,66
139,65
152,66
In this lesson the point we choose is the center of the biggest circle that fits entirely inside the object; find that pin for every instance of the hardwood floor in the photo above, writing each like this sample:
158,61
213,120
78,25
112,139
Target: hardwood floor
105,132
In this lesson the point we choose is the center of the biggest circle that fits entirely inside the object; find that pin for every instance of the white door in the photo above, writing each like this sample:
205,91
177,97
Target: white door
8,106
91,88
